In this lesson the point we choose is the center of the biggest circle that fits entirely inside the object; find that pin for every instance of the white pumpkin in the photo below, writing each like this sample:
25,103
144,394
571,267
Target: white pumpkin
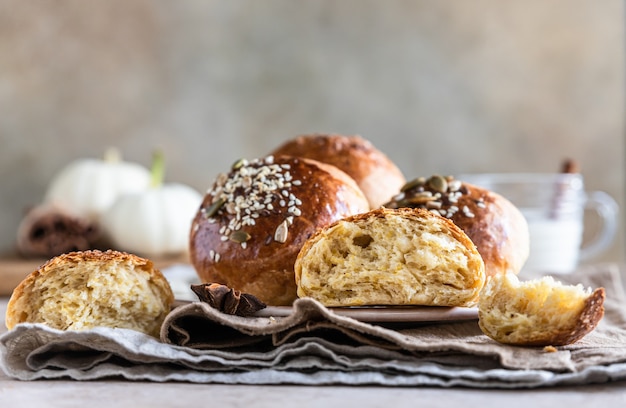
153,222
88,187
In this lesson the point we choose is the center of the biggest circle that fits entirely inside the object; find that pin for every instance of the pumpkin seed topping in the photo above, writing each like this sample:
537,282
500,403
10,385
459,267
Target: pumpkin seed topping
238,164
240,236
214,207
438,183
413,183
439,194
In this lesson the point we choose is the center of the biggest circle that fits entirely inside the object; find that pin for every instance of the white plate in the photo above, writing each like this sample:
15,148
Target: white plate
181,277
388,314
379,314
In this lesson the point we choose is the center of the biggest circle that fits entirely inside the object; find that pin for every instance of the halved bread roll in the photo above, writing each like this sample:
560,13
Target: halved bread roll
540,312
83,290
391,257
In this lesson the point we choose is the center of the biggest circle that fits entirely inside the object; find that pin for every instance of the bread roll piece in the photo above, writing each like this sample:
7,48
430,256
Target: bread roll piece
496,226
377,176
83,290
254,220
391,257
540,312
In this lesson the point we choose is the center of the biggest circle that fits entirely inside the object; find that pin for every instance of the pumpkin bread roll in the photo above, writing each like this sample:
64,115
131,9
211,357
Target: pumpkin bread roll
83,290
391,257
377,176
496,226
540,312
255,218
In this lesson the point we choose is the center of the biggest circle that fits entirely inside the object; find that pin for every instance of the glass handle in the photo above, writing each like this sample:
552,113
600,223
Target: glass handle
607,209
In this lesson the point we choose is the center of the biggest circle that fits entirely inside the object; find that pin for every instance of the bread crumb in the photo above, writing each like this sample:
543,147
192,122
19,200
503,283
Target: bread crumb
550,349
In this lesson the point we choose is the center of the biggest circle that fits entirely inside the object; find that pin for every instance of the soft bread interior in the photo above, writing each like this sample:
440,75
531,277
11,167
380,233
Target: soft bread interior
537,312
395,259
84,295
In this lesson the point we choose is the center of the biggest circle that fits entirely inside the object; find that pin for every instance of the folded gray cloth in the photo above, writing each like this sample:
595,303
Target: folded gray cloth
315,346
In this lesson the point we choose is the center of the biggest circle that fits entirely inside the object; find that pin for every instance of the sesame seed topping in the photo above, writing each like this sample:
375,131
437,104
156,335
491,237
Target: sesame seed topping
252,189
467,212
454,185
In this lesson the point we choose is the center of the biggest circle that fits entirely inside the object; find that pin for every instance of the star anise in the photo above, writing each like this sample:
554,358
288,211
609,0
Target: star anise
228,300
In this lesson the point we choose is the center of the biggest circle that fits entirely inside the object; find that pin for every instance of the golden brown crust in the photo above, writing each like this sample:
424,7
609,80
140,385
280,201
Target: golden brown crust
377,176
410,213
395,265
406,212
493,223
587,321
70,268
316,195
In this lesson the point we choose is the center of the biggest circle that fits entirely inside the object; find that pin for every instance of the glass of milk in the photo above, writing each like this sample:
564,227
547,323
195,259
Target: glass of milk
555,206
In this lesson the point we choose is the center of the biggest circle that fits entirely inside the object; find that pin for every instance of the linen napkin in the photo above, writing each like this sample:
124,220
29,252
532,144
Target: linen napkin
313,345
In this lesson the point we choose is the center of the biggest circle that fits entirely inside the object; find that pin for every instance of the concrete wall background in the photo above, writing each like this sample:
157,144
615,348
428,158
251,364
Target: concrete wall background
441,86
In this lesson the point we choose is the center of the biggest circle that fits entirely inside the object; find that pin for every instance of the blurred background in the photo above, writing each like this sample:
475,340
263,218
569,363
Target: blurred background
441,86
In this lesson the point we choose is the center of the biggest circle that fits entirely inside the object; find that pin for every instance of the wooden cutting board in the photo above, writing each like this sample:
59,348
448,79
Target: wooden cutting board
13,269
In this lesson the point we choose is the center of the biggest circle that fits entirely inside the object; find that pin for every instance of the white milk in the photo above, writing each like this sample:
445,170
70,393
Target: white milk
554,243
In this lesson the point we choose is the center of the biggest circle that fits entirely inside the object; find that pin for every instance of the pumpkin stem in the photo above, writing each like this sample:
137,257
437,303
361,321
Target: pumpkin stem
157,171
112,155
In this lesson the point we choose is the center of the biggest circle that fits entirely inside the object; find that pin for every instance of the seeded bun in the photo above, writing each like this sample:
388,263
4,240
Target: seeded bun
87,289
377,176
254,220
540,312
391,257
493,223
